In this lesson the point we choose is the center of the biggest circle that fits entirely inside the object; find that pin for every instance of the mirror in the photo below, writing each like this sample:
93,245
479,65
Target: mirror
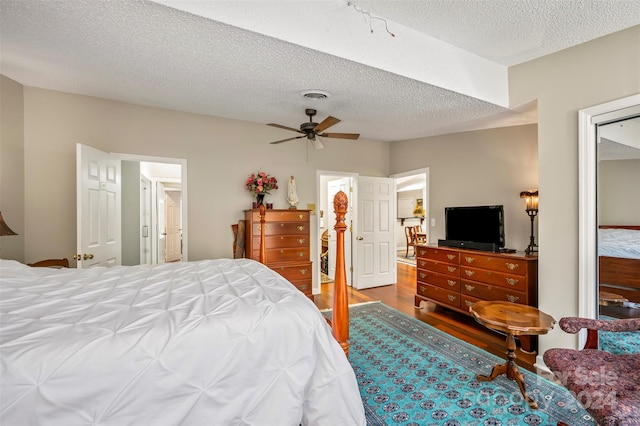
589,120
618,217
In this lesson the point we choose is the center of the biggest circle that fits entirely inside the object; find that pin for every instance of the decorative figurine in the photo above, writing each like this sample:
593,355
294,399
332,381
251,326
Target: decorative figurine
292,196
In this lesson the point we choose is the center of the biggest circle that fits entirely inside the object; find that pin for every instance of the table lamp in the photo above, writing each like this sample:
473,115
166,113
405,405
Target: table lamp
531,199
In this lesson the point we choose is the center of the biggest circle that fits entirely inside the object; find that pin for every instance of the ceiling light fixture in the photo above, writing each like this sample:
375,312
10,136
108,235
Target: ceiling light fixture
315,94
371,17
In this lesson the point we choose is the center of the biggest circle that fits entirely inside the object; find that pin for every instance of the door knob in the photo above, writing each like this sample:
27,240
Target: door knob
87,256
359,238
77,256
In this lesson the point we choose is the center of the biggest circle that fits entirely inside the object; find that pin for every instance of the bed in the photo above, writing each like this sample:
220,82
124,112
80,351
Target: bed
216,342
619,260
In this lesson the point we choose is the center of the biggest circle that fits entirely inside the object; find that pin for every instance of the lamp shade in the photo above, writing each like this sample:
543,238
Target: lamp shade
4,228
531,199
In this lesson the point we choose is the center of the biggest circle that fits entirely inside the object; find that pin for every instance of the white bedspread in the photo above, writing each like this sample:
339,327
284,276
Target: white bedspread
617,242
220,342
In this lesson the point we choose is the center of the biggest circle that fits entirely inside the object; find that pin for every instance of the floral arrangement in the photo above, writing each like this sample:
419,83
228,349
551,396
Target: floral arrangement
261,183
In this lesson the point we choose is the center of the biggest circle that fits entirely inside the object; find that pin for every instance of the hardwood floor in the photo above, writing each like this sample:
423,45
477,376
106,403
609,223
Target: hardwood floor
401,297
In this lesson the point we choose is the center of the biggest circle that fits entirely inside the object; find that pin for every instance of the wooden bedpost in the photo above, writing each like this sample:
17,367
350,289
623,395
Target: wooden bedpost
340,323
263,246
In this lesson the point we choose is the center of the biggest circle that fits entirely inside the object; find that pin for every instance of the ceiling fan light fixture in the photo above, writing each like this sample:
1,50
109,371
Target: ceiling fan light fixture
315,94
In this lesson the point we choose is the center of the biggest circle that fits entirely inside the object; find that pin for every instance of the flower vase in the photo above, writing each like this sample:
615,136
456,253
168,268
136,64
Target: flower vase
259,199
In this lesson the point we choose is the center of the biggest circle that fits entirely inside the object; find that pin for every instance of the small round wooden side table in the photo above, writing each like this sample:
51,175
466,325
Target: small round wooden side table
513,319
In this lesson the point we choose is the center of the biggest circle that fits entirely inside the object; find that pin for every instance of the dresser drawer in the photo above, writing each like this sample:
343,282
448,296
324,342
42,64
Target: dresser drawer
441,255
467,301
441,280
494,263
443,268
286,254
421,251
491,292
283,241
282,216
446,297
510,281
282,228
304,286
300,271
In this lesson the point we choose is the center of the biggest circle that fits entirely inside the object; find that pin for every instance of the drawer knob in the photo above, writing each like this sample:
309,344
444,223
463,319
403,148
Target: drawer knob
300,253
451,256
422,275
300,216
469,259
301,241
422,263
469,303
422,288
512,281
512,299
469,273
451,282
302,286
451,268
301,228
451,297
303,271
469,287
511,266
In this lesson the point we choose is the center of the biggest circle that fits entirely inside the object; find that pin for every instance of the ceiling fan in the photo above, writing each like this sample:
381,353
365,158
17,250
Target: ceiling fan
310,130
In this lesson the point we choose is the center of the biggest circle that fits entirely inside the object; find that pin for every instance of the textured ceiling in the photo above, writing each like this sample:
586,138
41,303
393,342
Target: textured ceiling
445,70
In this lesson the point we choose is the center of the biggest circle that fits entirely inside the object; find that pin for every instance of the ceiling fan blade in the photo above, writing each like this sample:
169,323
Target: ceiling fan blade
325,124
288,139
280,126
341,135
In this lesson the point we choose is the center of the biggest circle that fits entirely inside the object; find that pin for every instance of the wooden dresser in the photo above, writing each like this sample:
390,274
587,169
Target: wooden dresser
287,243
457,278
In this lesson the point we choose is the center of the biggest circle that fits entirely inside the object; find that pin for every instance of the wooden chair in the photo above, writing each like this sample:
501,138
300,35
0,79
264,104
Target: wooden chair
608,383
51,263
410,235
420,236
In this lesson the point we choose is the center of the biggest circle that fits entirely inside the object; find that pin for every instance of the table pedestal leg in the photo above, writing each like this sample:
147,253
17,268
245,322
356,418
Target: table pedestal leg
510,368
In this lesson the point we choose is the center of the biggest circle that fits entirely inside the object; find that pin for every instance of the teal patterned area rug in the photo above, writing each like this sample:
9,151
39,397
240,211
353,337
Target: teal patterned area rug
621,342
411,374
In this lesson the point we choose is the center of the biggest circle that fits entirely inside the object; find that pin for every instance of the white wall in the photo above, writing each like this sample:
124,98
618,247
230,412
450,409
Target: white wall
619,192
220,154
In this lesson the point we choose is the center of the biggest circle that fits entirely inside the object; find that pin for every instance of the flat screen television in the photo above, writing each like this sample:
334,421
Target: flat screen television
479,227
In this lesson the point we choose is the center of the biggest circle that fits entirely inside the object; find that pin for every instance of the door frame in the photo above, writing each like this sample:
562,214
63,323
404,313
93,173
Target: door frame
183,177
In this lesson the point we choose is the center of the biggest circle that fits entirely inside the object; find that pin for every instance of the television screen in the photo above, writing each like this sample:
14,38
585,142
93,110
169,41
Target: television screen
478,224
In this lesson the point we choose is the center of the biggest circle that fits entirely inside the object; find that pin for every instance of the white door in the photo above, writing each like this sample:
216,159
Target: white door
342,184
98,208
145,221
374,246
161,223
173,227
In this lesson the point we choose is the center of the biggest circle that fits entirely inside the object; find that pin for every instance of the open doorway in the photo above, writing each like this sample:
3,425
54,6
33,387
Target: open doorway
151,212
412,191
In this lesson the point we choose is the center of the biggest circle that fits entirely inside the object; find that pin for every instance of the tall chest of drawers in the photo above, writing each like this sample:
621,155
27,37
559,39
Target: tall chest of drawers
456,279
287,244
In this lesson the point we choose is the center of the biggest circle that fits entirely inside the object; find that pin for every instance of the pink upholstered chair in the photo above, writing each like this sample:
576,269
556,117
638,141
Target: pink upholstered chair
608,385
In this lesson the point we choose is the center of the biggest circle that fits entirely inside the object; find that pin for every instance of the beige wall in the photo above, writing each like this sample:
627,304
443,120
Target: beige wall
619,192
484,167
12,167
220,154
563,83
